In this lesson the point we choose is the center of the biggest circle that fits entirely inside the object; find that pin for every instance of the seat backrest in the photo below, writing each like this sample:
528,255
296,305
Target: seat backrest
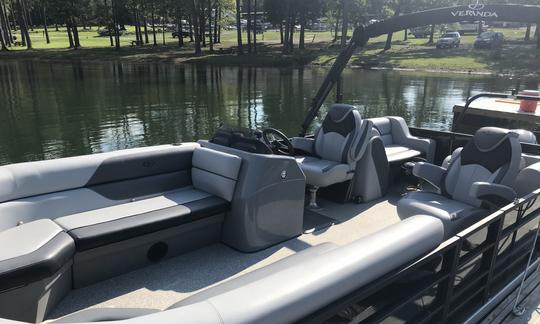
383,128
343,135
493,155
215,172
55,188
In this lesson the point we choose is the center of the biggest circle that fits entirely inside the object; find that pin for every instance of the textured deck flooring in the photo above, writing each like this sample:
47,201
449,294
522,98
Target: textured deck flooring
161,285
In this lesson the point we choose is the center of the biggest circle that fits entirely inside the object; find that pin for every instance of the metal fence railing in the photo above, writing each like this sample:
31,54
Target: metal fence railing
452,282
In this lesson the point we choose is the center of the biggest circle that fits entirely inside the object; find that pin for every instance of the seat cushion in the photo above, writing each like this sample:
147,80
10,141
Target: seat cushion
215,172
455,215
397,153
323,173
33,251
117,223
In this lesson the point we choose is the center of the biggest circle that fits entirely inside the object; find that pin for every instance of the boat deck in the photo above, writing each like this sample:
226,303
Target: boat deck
160,285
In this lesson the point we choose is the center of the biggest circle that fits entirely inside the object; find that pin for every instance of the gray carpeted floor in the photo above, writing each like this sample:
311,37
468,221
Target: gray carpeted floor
163,284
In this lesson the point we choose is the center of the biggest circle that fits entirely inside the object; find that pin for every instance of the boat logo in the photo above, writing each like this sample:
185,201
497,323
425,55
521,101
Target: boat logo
475,10
477,6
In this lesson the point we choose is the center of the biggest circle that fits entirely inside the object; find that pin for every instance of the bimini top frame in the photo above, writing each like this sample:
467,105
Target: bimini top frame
516,13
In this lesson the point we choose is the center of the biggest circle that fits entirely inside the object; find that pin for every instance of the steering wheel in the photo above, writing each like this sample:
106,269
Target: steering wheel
277,141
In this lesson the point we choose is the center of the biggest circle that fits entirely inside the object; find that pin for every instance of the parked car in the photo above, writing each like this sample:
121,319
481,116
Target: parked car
421,32
489,40
184,34
449,39
106,32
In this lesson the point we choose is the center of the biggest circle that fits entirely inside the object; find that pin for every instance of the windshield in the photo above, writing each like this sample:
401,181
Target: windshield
486,35
449,35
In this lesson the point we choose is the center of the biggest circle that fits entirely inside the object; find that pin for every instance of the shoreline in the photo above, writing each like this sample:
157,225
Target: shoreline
171,55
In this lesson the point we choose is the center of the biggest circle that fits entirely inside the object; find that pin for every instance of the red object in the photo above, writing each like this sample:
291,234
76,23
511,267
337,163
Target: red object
529,105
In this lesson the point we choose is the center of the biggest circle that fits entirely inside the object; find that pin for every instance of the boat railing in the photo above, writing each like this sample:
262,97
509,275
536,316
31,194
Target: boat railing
463,275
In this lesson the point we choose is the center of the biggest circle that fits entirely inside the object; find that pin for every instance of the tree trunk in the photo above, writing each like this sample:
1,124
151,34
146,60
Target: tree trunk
153,13
27,16
528,33
76,39
239,29
291,33
70,36
202,24
45,27
388,44
480,27
431,34
145,22
195,20
217,29
405,35
281,33
3,41
4,23
179,27
345,24
336,29
24,26
115,25
13,15
138,31
254,26
210,31
302,42
250,49
286,35
3,46
163,22
191,30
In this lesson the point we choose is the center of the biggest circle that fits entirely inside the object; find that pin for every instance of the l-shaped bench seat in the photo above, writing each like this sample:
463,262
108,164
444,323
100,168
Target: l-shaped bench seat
121,235
100,227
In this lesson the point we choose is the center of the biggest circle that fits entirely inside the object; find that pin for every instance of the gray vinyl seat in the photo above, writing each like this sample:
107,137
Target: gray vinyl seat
399,144
336,148
478,179
214,176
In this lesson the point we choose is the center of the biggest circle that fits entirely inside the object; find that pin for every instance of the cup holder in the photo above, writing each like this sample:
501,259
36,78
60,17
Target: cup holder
157,251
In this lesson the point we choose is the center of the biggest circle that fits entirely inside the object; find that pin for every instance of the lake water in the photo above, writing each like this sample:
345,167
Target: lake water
56,110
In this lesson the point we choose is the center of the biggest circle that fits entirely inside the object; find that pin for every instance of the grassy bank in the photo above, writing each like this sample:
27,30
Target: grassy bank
516,57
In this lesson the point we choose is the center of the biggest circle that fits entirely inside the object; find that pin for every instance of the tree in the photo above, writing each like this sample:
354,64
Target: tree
195,21
239,29
23,23
44,15
345,22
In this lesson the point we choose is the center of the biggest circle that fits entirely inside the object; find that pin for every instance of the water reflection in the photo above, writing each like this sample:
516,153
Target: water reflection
55,110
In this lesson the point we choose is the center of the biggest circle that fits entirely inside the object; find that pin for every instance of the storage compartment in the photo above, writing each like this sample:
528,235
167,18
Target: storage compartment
101,263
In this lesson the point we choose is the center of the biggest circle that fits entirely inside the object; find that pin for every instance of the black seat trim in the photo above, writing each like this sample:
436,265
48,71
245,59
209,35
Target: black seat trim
37,265
93,236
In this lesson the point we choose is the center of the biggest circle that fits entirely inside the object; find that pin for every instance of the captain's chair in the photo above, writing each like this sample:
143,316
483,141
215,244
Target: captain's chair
478,180
334,151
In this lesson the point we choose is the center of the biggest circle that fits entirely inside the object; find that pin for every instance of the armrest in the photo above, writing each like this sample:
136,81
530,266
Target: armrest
429,172
402,136
303,143
495,195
